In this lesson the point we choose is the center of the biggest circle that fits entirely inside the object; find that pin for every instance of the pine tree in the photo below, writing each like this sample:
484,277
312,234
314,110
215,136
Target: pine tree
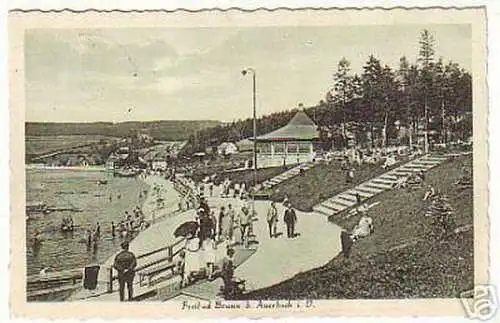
426,60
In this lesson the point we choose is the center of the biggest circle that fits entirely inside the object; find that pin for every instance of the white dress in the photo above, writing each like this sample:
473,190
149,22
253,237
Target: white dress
363,227
209,250
192,260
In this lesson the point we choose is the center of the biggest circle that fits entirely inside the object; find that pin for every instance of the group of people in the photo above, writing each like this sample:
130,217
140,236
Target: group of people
410,181
235,190
289,218
130,223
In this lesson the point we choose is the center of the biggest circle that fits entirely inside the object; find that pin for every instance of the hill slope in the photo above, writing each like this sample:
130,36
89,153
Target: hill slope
404,258
174,130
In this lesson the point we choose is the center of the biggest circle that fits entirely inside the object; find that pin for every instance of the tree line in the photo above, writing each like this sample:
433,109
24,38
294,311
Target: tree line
430,99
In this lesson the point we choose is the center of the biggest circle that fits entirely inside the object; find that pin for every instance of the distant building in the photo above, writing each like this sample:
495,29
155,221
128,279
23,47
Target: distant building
227,148
292,144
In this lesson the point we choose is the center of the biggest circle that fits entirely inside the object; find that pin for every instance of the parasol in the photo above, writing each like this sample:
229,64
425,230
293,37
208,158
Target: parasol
186,229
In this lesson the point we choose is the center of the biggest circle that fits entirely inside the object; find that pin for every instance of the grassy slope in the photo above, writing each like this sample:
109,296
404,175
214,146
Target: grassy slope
321,182
403,258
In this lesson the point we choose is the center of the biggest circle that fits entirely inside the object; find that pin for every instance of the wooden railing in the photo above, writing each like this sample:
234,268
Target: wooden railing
172,251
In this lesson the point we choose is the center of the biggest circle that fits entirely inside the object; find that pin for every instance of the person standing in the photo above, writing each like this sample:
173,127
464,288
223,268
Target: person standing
89,237
228,272
113,229
236,190
209,253
244,218
125,263
222,224
272,219
211,189
98,231
290,220
230,220
213,225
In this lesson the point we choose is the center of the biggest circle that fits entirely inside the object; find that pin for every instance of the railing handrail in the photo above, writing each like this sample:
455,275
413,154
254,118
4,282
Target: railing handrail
150,253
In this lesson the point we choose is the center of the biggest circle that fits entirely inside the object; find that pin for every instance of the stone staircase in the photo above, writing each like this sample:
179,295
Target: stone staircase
374,186
286,175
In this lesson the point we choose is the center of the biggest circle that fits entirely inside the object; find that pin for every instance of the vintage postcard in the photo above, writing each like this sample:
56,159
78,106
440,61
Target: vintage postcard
238,163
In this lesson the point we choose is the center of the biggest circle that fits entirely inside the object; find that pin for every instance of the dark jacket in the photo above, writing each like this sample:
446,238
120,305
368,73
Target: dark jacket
290,216
125,261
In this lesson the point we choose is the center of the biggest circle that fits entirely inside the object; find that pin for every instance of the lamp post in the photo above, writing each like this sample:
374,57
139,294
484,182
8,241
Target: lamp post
245,72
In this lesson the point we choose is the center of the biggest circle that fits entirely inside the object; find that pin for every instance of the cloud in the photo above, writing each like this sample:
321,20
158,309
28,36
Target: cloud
194,73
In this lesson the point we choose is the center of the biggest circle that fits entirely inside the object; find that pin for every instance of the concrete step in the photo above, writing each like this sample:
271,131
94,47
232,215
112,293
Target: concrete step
389,177
342,202
361,193
425,162
364,188
334,206
436,158
323,210
403,172
416,167
381,180
378,185
414,170
347,197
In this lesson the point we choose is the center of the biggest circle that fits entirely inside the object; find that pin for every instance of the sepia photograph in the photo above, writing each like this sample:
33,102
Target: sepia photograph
222,165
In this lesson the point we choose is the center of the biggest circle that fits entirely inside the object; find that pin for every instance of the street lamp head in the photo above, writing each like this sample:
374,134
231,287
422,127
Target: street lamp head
247,71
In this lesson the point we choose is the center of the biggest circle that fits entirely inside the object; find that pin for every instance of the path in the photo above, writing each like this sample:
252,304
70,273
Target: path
377,185
277,259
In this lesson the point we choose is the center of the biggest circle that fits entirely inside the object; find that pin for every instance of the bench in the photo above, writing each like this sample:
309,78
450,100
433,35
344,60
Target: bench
152,271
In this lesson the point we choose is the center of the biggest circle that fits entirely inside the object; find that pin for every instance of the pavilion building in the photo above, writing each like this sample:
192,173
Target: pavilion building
294,143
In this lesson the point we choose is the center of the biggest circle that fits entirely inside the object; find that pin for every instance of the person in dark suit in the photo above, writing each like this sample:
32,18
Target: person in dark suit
290,220
125,263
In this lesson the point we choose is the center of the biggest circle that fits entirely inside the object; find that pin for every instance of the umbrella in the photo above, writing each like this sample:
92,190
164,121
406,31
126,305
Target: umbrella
185,229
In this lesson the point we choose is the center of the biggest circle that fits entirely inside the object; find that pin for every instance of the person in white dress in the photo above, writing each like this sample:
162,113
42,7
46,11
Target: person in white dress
209,253
363,229
192,260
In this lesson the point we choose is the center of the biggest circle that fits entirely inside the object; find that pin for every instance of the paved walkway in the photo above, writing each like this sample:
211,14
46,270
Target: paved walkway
278,259
275,260
377,185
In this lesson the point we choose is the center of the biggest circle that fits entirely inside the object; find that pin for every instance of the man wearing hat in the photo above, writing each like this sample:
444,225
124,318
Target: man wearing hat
125,263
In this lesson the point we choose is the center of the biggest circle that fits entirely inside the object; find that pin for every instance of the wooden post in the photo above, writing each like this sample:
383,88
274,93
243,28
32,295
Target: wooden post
110,286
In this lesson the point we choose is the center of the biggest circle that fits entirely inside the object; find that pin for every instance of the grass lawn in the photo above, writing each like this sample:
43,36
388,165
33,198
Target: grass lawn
403,258
321,182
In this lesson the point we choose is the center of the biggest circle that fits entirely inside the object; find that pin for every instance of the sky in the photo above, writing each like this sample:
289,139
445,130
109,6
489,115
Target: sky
83,75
